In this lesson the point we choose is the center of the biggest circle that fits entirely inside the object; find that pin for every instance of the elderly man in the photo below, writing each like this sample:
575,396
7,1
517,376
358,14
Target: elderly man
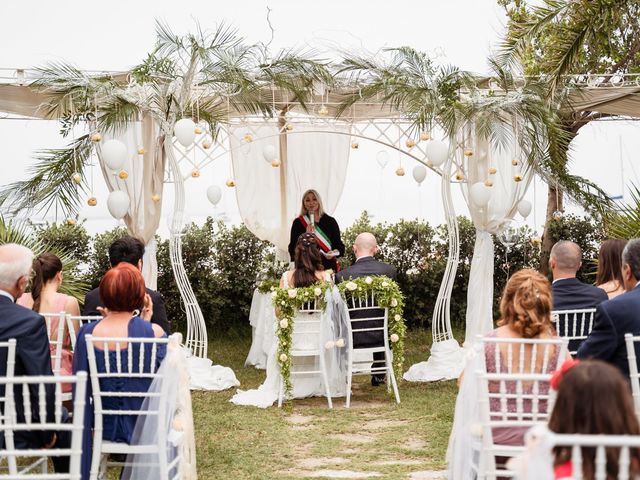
618,316
32,347
569,293
365,247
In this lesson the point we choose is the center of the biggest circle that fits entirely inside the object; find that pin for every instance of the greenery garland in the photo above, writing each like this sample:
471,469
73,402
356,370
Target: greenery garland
388,295
287,302
268,286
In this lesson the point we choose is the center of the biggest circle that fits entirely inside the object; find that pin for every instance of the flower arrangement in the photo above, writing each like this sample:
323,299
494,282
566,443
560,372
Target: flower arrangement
287,302
388,295
269,285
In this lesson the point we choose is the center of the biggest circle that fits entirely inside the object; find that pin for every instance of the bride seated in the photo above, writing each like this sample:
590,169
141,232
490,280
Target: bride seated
308,270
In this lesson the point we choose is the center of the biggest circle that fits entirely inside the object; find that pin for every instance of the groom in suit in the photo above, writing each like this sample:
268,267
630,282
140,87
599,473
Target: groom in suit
32,350
617,316
365,247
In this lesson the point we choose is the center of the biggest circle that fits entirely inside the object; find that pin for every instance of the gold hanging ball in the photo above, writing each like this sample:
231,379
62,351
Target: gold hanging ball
492,170
410,143
429,163
231,183
323,110
459,176
95,137
355,145
400,172
71,221
488,183
141,151
517,178
197,130
206,145
289,127
92,202
536,241
195,173
123,174
275,163
248,138
155,197
515,162
76,177
425,136
468,152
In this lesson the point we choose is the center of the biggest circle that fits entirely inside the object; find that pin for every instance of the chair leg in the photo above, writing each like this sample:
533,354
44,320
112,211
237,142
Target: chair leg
97,457
391,375
280,392
349,377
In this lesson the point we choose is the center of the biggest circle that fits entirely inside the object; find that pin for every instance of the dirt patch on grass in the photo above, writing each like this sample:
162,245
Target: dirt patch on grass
299,419
381,423
397,462
429,475
342,474
353,438
415,444
309,463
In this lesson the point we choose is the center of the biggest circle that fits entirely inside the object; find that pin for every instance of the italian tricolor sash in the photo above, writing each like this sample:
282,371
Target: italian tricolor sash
323,239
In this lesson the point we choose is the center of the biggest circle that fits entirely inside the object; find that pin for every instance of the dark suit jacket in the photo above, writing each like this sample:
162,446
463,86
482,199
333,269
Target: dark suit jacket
572,294
32,358
614,318
92,301
363,267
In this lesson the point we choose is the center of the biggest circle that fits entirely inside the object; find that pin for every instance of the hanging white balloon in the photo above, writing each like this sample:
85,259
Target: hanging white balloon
114,154
480,194
118,204
524,208
185,131
214,194
269,153
437,152
382,157
419,173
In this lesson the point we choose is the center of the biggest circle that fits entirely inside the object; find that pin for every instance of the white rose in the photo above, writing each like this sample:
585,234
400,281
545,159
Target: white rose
283,357
397,318
368,280
274,294
329,345
340,343
394,338
317,291
385,284
351,286
282,302
292,292
394,302
284,323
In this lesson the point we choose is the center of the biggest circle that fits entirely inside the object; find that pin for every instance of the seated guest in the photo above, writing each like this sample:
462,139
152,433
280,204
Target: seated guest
593,398
122,290
32,349
308,268
129,250
45,298
618,316
365,247
609,275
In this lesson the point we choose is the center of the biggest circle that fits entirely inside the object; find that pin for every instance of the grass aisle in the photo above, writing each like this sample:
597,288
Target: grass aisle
306,440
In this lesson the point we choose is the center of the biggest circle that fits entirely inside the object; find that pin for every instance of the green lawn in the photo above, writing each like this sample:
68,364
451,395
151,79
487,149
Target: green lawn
235,442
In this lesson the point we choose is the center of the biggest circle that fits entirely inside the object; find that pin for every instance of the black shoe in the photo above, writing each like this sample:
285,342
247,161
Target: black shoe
377,380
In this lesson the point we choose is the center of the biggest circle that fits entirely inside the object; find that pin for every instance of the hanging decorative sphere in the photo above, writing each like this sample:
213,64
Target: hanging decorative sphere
480,194
460,176
515,162
71,221
517,178
275,163
536,241
419,173
197,130
155,197
557,215
184,130
410,143
114,154
231,183
323,110
214,194
524,208
289,127
118,204
382,157
269,153
492,170
488,183
355,145
429,163
123,174
141,151
437,152
468,152
248,138
95,137
92,202
206,145
425,136
400,172
195,173
76,177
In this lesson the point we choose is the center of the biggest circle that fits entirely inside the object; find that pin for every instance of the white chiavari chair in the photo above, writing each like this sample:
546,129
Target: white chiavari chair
75,323
634,377
574,325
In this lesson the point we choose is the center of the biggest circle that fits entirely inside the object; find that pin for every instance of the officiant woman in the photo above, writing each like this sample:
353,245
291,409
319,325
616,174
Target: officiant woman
314,219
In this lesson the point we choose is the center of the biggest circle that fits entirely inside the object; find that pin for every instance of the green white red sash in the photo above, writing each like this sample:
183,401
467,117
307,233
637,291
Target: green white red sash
323,240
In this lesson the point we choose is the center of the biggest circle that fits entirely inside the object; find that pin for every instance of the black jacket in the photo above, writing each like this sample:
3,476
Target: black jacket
572,294
92,301
330,227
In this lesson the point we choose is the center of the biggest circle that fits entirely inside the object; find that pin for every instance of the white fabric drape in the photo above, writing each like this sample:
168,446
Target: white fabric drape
309,160
489,220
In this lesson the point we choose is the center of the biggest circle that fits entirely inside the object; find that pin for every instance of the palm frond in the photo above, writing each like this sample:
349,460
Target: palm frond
624,221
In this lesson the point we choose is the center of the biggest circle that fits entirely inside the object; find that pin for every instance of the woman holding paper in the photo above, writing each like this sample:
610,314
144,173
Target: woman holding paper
313,219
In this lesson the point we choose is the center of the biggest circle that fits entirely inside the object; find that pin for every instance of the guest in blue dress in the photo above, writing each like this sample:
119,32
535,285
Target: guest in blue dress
122,290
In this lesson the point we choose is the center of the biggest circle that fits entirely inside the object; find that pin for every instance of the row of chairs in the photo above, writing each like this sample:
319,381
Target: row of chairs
33,403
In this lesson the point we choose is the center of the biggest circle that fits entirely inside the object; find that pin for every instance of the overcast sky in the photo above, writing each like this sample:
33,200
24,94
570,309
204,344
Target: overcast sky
117,35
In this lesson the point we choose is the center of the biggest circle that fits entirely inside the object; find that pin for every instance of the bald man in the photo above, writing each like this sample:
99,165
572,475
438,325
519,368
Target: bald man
365,247
569,293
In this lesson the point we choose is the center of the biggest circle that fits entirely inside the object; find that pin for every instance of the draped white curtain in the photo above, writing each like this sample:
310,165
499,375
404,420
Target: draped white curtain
270,198
489,220
146,176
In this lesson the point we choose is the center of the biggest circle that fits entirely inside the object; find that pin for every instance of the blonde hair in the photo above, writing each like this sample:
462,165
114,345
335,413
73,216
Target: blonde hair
526,304
303,211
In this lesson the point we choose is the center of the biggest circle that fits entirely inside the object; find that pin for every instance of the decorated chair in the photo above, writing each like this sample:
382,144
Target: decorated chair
75,323
634,376
574,325
55,332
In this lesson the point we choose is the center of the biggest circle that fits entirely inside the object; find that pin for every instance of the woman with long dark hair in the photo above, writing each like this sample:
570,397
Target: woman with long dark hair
45,298
609,275
308,267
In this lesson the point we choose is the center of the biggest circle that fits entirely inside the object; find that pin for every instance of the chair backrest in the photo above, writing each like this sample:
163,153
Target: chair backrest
135,359
75,323
364,308
8,351
634,376
30,393
306,324
574,325
56,337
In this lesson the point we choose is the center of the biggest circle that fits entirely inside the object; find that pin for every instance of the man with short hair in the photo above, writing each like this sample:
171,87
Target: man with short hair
618,316
32,349
129,249
569,293
365,247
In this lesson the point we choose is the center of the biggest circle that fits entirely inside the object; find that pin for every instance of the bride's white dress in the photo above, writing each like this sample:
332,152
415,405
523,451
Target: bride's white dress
333,321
